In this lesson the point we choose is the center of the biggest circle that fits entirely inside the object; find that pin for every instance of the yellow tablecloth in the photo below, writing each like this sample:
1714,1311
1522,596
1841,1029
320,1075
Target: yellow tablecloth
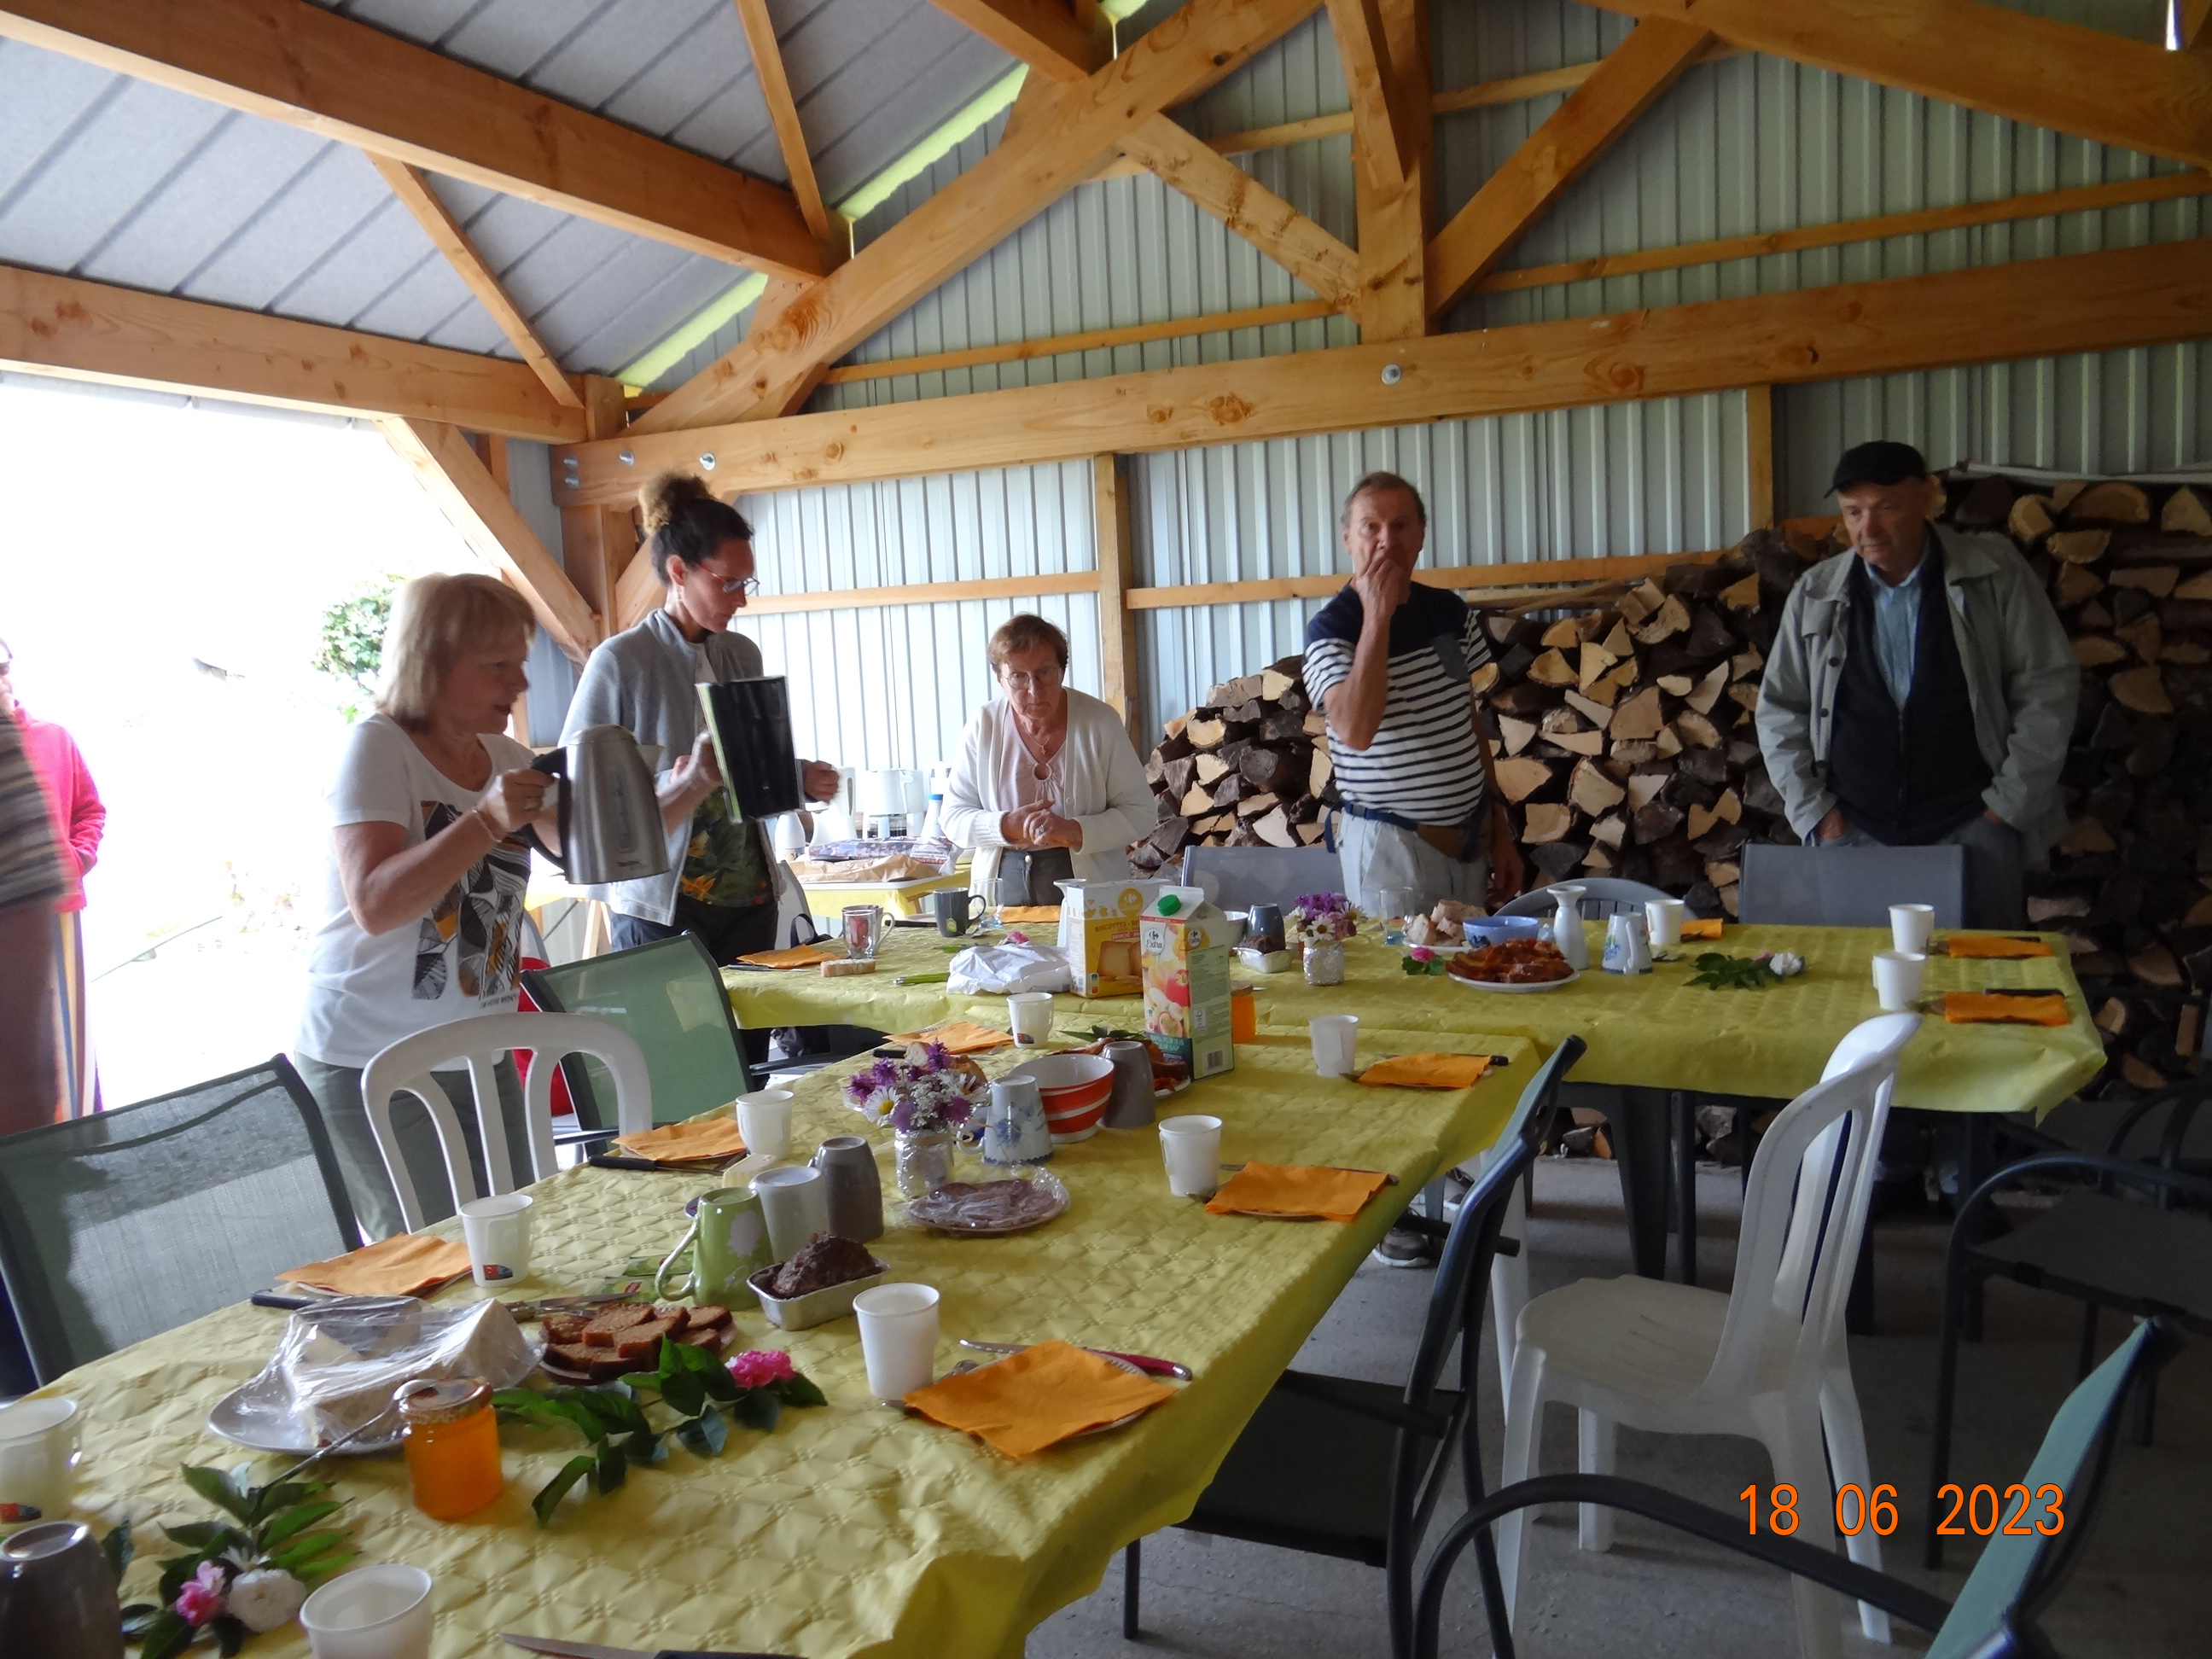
901,898
853,1529
1652,1031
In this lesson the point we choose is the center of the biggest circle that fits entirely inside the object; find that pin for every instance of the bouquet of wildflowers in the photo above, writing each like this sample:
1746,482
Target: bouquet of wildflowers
1322,919
912,1095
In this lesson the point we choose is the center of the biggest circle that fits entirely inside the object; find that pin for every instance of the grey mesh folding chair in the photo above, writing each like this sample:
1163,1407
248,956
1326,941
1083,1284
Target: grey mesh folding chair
1849,886
1333,1466
668,995
2134,1251
124,1225
2011,1587
1241,877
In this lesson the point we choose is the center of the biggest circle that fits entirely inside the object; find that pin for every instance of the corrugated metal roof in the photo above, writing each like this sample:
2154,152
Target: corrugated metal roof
120,181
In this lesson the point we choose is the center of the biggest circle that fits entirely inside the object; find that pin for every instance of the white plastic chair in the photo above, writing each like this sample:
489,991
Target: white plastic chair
1768,1359
407,1065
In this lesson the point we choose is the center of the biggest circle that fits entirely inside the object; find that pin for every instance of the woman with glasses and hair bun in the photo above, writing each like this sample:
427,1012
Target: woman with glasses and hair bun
1048,786
721,883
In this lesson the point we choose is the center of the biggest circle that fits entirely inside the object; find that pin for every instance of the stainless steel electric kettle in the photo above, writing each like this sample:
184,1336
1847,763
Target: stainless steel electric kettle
611,828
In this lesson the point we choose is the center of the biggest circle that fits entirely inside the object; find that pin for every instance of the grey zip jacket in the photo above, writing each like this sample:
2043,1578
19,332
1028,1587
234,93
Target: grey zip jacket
645,679
2020,676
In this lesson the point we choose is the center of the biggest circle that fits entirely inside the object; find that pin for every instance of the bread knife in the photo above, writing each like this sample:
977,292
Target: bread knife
594,1650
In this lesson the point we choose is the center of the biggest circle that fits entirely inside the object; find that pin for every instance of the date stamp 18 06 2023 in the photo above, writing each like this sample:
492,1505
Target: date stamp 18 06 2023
2015,1511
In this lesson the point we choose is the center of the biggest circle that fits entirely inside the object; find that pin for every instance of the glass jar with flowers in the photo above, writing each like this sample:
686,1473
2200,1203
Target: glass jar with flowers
924,1098
1322,922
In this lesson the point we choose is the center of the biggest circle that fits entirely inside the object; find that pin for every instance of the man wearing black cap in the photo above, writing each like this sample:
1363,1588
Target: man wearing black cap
1922,692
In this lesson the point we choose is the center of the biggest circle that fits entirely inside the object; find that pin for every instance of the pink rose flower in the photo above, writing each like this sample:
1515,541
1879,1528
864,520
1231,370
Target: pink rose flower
1422,953
757,1368
201,1599
1015,936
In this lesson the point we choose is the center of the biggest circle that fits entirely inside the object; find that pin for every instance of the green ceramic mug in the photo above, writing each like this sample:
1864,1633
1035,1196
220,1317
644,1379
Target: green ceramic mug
729,1240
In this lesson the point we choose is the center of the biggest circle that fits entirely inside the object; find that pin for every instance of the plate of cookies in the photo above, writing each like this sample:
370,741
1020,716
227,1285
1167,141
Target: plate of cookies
584,1348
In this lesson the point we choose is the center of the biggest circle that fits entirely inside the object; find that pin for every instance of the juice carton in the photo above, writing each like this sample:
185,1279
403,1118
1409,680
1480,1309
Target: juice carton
1185,944
1098,932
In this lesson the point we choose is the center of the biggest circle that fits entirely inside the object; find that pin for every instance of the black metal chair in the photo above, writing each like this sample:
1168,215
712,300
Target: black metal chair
2011,1586
1332,1465
125,1223
2145,1259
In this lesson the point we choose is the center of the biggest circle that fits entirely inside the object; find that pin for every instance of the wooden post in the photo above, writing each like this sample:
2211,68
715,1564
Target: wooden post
1759,446
1117,623
1393,169
597,541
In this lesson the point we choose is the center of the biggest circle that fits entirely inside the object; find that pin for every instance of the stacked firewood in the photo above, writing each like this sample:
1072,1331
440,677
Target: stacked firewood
1249,767
2129,567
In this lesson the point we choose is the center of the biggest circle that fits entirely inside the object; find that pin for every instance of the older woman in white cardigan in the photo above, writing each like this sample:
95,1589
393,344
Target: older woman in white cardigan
1048,785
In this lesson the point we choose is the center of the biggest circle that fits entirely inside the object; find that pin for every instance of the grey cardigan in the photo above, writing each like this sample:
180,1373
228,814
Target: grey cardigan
2021,679
645,679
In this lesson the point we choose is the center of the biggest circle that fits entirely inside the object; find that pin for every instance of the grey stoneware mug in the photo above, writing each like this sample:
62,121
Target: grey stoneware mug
847,1163
957,910
56,1596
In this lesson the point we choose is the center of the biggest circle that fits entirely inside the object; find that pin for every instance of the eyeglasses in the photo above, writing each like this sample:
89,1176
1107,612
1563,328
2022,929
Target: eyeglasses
1043,680
748,585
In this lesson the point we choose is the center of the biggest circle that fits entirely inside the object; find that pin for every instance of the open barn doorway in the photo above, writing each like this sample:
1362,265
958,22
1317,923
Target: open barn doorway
166,570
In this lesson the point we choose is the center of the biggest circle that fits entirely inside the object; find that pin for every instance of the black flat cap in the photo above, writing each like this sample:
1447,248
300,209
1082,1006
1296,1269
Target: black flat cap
1877,463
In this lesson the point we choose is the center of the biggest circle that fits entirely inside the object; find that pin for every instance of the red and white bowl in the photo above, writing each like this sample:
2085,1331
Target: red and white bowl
1074,1088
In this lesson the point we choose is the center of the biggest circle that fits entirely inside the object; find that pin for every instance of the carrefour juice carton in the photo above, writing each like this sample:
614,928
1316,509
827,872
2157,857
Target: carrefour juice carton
1185,944
1098,932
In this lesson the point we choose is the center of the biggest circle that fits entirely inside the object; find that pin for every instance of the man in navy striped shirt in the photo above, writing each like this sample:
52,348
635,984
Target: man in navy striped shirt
1388,660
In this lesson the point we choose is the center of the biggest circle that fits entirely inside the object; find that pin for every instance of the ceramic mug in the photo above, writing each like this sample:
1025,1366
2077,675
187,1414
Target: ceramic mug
38,1456
847,1163
56,1595
729,1240
957,911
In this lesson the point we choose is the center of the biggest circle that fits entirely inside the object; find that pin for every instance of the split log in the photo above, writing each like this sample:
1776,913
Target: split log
2029,518
2079,546
1546,822
2113,501
1206,733
2076,582
2157,579
1515,735
2186,515
1552,669
1520,777
1639,719
2142,690
1592,792
2094,651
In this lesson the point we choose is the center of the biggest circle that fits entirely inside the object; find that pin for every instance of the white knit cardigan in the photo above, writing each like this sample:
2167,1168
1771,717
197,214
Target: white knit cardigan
1103,789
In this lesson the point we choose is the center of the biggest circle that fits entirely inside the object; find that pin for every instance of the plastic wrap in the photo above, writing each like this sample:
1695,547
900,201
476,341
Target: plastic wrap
1008,967
338,1363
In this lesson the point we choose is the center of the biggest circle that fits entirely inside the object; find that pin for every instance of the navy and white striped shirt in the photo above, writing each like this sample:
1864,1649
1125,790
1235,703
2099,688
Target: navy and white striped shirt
1425,762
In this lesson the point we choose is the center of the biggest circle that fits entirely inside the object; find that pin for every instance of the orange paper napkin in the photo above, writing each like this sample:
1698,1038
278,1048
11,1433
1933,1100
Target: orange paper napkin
406,1264
1994,1008
800,956
1702,927
1027,915
1037,1398
1295,1189
959,1037
685,1143
2000,947
1428,1070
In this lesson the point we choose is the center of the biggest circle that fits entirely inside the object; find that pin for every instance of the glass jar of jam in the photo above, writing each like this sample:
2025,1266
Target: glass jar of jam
452,1436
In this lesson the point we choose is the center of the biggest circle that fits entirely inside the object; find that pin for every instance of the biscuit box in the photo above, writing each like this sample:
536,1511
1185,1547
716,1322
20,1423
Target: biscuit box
1186,958
1098,932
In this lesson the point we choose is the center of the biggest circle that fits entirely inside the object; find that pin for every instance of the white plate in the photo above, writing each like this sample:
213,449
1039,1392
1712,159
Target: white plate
1052,1183
1513,990
256,1415
562,1374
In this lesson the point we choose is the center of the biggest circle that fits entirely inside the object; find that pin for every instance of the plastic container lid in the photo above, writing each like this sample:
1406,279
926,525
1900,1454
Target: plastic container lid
1169,904
429,1400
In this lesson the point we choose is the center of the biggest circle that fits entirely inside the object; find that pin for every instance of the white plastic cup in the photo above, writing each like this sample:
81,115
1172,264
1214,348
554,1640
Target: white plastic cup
1665,915
39,1455
795,1199
898,1337
371,1613
1911,927
1335,1043
764,1121
1029,1014
498,1233
1192,1148
1898,976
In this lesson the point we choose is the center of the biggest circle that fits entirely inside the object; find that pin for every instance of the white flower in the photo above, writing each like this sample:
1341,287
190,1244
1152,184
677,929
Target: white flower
1786,963
266,1598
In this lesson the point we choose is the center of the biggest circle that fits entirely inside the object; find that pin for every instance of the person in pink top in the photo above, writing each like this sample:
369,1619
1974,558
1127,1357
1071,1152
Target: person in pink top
79,820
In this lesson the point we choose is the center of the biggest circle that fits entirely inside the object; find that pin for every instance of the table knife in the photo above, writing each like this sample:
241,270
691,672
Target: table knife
594,1650
1143,1362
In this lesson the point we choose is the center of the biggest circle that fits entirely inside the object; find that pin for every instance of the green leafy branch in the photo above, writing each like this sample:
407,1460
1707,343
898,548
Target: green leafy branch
274,1542
1717,971
691,1383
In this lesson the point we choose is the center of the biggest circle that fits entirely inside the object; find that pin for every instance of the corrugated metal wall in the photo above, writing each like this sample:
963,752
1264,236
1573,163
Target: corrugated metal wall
1741,145
893,686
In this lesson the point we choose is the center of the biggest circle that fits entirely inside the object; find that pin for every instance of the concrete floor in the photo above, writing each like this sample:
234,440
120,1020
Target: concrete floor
2142,1587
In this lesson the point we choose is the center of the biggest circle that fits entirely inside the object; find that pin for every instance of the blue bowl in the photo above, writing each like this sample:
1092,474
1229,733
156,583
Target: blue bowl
1496,929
